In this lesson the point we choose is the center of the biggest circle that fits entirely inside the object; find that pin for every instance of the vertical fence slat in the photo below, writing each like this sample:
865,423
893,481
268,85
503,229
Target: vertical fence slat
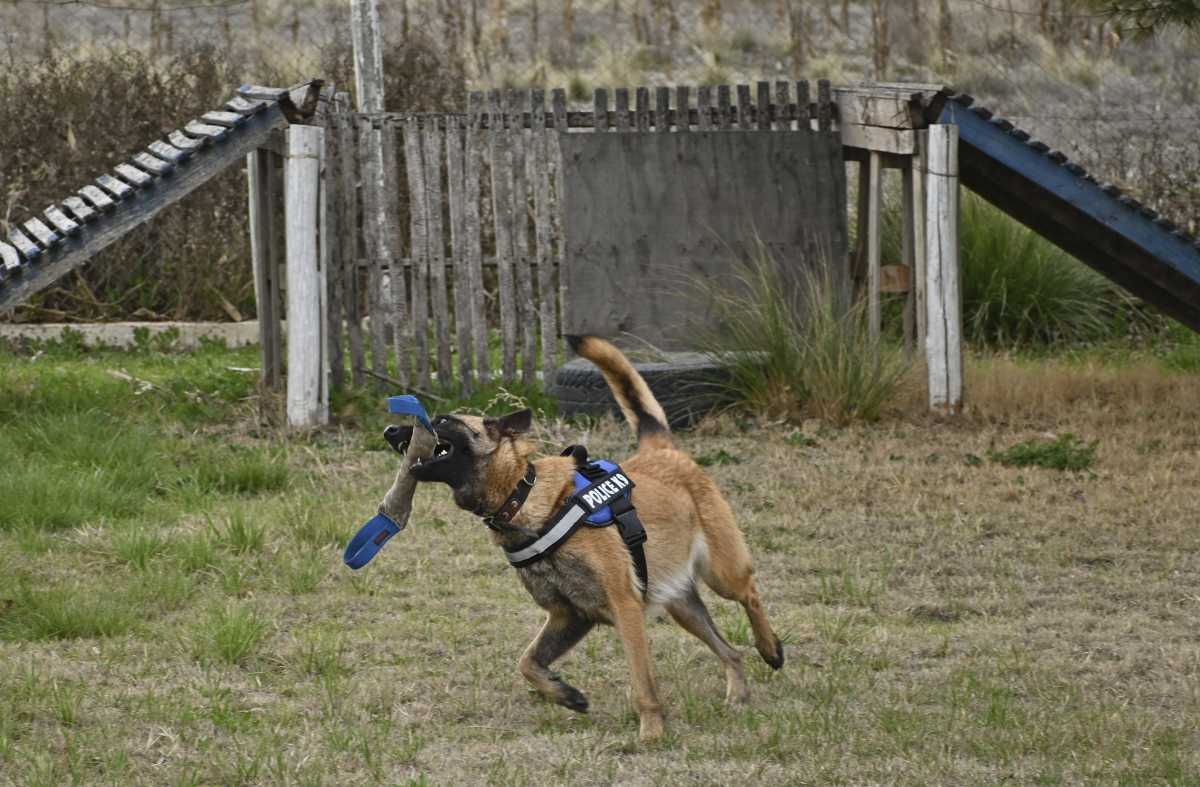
372,232
824,105
803,113
662,109
277,246
461,279
600,109
704,107
744,112
348,228
331,253
474,239
642,115
763,107
783,111
518,101
724,121
414,163
400,319
682,111
538,173
559,107
432,146
622,109
502,213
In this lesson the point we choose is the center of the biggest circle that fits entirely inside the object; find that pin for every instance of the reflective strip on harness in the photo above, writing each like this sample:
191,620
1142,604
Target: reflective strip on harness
550,540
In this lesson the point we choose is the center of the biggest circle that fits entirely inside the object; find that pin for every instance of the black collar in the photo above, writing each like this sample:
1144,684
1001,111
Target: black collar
512,505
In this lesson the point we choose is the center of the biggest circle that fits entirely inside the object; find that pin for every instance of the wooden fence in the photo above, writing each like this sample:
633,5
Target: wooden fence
463,233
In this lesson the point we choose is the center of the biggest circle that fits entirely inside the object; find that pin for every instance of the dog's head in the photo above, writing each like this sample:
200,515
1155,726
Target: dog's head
476,457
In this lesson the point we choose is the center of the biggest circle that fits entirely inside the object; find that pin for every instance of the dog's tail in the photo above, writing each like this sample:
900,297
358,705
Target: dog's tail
643,412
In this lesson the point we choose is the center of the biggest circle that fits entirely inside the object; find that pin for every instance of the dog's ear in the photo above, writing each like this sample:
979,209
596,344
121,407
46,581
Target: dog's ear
398,437
509,425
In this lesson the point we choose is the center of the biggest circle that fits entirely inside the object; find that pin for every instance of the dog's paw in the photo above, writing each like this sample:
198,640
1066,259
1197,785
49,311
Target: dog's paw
776,661
571,697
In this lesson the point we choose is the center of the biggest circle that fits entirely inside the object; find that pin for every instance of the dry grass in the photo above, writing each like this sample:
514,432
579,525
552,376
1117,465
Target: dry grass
948,620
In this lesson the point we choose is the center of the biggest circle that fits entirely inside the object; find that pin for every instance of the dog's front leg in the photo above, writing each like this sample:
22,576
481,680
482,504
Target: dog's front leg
630,622
563,628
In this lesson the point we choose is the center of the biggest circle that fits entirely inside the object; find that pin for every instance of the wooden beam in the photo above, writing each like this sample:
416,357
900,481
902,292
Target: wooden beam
878,140
139,206
874,242
943,350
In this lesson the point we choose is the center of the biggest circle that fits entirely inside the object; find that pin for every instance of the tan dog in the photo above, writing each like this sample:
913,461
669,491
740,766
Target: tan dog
591,578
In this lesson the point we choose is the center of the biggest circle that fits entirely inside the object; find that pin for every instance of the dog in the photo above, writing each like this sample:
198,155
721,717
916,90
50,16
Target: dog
591,578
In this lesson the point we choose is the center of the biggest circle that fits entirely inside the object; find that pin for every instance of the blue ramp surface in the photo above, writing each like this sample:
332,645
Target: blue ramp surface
1122,239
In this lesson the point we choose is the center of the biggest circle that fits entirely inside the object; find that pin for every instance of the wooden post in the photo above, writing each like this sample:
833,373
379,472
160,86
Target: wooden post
943,344
258,175
916,176
908,242
306,345
874,241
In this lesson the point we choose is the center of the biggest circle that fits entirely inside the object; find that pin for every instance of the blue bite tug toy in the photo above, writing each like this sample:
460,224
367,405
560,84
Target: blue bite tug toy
381,527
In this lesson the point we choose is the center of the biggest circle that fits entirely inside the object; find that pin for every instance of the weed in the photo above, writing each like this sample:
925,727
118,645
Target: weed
1066,452
719,457
136,547
239,533
230,634
197,552
796,437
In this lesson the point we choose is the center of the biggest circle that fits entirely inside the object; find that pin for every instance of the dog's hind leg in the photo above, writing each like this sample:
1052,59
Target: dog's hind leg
562,630
690,613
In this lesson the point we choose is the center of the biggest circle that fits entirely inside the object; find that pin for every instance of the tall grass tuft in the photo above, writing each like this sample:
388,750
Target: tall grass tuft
1020,289
803,347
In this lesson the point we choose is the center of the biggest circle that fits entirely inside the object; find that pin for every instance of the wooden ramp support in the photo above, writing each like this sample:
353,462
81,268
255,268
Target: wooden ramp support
943,341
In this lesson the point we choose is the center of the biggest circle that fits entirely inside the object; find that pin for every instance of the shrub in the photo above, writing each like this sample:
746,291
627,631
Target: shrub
799,343
1067,452
1019,289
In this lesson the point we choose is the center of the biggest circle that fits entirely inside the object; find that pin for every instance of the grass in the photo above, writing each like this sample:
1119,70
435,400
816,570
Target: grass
946,622
1067,452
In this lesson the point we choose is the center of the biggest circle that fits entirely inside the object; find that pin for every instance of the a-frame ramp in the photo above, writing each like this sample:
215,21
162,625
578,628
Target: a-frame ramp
1129,243
42,249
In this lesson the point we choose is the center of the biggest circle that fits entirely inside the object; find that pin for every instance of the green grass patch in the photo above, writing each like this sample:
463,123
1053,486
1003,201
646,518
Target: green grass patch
1066,452
67,613
230,634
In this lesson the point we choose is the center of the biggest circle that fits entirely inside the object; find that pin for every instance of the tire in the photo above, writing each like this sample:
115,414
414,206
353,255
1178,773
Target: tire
688,386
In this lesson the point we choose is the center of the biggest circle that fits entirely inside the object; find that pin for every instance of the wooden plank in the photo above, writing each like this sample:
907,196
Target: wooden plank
555,161
276,262
243,106
187,144
704,108
29,250
373,231
906,259
874,244
662,109
943,349
99,200
824,106
115,188
332,257
400,317
682,108
762,110
600,109
260,254
502,214
142,206
133,176
366,33
153,164
526,315
44,235
870,107
169,152
204,131
62,223
642,109
305,313
878,140
264,93
461,283
349,239
226,119
418,196
474,236
539,174
10,260
80,209
724,110
744,110
622,101
783,113
433,145
803,114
